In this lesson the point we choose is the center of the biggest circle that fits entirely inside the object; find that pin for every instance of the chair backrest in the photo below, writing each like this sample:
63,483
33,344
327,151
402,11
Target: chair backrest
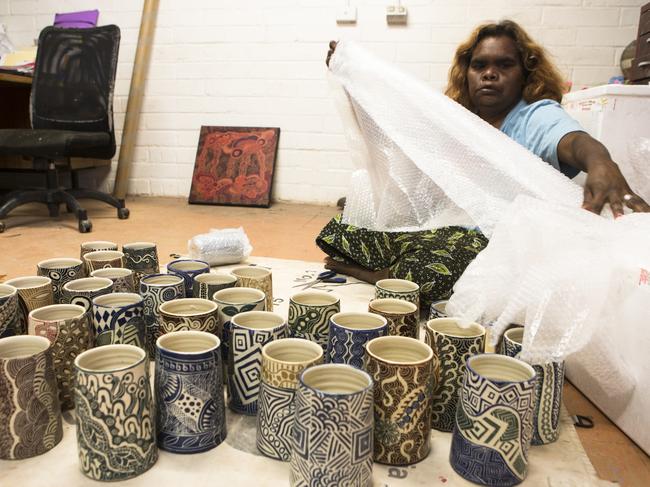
74,77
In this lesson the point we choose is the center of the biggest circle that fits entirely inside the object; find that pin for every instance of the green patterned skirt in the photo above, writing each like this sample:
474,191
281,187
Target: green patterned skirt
434,259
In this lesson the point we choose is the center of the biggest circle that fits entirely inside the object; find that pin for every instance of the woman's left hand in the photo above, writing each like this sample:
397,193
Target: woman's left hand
606,184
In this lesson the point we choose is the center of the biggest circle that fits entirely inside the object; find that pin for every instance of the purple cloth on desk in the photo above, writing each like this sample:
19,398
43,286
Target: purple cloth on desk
79,20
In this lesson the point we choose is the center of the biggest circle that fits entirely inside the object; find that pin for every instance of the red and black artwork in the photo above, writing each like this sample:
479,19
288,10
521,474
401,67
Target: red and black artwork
234,166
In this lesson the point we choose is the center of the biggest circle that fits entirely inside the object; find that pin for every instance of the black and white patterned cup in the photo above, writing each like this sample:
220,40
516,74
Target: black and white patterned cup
398,289
95,245
82,291
310,313
141,258
188,269
123,280
102,259
205,285
118,318
60,271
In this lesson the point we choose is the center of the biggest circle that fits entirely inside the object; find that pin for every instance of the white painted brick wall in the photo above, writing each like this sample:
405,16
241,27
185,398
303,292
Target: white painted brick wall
260,63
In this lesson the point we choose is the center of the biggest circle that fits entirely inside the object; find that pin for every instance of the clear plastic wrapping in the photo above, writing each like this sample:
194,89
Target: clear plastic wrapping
220,246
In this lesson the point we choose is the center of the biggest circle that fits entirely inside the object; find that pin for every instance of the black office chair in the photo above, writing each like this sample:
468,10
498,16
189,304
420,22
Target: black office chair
72,116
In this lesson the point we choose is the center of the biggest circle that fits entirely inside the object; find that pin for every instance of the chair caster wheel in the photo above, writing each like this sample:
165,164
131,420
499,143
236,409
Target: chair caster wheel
123,213
3,227
85,226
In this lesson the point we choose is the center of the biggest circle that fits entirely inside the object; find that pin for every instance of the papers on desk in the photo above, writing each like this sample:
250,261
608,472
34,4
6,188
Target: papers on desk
21,60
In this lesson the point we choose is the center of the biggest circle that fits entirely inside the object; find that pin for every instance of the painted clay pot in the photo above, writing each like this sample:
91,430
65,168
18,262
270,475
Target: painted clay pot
402,316
83,291
96,245
9,311
333,428
349,333
103,259
60,271
123,281
118,318
257,278
282,362
156,289
33,292
67,327
189,314
30,416
142,259
191,416
548,392
438,309
116,434
205,285
188,269
310,313
398,289
494,421
452,345
250,331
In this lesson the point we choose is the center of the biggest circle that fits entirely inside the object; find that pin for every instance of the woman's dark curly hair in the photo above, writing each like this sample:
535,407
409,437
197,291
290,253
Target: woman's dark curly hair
542,79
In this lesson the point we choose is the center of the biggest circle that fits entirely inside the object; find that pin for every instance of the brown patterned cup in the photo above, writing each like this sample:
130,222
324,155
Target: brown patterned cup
9,311
96,245
189,314
67,327
257,278
403,372
102,259
123,279
30,416
402,316
33,292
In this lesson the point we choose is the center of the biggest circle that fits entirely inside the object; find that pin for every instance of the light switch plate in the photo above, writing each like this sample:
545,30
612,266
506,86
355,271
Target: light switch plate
396,15
346,15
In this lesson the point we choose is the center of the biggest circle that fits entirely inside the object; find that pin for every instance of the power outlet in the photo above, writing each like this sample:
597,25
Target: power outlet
346,15
396,15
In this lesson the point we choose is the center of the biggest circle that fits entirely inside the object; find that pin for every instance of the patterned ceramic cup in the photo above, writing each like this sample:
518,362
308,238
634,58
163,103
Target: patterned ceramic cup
96,245
141,258
82,291
310,313
116,434
494,421
66,327
282,362
191,414
550,382
188,269
9,311
452,345
403,316
249,333
333,428
257,278
398,289
156,289
230,302
205,285
30,417
438,309
349,333
33,292
118,318
122,278
403,372
60,271
101,259
189,314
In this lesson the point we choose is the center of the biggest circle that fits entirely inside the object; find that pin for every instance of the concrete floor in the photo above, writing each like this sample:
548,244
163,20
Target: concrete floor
282,231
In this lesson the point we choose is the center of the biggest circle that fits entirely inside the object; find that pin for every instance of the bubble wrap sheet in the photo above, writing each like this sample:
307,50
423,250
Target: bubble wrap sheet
219,247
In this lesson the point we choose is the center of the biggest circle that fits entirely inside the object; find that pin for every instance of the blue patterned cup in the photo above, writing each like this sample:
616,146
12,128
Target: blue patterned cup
116,433
188,269
191,416
494,421
438,309
333,428
155,290
205,285
349,333
550,383
118,319
250,331
9,311
310,313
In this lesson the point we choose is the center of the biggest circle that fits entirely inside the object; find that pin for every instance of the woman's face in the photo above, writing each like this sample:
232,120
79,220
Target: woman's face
495,75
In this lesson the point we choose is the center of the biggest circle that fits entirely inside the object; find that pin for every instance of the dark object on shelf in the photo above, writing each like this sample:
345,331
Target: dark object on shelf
234,166
640,70
72,116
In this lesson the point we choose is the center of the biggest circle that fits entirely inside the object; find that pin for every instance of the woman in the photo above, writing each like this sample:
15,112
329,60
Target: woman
505,78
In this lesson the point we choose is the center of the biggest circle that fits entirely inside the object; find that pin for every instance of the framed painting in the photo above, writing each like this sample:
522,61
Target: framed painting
234,166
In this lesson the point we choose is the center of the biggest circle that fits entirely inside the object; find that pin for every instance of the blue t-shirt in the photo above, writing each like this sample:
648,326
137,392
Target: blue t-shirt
539,127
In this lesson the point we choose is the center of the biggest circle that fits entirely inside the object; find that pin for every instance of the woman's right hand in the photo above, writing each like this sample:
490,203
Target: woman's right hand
330,52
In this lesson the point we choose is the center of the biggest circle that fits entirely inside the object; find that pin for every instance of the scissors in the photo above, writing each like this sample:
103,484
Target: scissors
327,276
